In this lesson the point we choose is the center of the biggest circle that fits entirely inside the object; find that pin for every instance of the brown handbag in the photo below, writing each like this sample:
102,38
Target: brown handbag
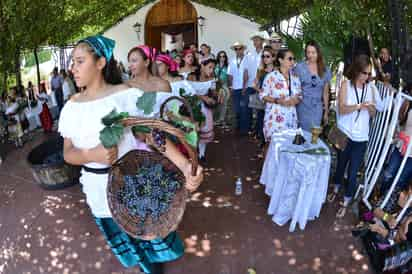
338,138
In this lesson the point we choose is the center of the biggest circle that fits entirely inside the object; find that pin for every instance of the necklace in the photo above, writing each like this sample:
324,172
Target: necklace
239,61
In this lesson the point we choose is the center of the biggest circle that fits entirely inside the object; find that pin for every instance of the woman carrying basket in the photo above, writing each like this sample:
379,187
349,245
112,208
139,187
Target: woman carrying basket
80,124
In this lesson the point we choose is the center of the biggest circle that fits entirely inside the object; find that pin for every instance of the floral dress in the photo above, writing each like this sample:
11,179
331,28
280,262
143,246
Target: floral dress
277,117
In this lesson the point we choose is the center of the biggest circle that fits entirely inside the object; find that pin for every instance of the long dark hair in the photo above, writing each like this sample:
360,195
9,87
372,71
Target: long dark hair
320,62
152,65
111,72
281,55
360,63
226,64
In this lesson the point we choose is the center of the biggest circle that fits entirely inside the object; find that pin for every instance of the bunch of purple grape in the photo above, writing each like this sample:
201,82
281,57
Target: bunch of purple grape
149,192
159,138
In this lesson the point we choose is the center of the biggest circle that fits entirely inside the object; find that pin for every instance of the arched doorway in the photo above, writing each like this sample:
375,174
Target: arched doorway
170,24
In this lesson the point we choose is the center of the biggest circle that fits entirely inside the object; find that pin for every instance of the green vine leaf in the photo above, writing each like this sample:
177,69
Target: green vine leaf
174,108
146,102
141,129
114,117
110,136
192,138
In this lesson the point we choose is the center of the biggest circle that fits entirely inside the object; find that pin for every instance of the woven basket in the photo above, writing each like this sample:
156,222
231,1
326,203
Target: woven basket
168,116
129,164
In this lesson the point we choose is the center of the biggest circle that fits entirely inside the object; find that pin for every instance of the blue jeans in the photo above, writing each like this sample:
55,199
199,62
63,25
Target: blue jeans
242,111
391,170
259,124
353,154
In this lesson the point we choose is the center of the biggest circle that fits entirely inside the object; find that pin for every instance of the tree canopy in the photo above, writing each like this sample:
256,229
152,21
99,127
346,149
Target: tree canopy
29,24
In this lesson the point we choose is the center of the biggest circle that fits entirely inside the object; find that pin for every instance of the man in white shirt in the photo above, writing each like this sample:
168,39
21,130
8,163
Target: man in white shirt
238,83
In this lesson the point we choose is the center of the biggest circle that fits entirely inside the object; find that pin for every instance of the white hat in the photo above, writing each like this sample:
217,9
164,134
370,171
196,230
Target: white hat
275,37
237,45
260,34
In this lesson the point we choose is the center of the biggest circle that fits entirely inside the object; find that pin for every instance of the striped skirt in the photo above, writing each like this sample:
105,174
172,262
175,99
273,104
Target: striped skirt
134,252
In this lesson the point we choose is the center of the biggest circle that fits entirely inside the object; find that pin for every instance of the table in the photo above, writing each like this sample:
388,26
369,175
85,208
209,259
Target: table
297,183
32,115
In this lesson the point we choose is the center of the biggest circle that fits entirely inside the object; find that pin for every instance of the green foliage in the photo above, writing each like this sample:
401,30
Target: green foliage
195,103
111,134
141,129
146,102
44,56
332,24
114,117
192,138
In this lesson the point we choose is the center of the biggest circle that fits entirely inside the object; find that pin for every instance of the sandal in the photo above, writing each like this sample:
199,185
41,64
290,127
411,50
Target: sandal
341,212
332,197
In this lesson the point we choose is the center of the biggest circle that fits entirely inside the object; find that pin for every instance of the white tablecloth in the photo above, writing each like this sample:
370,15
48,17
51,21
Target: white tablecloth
296,182
32,115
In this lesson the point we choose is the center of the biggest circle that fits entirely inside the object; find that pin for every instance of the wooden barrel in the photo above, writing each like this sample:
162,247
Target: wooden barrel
48,167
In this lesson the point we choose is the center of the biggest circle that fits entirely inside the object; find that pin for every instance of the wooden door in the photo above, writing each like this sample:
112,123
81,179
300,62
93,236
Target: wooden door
170,16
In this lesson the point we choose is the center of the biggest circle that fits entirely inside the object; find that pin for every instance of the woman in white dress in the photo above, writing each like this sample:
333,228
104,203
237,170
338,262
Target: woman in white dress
80,124
204,82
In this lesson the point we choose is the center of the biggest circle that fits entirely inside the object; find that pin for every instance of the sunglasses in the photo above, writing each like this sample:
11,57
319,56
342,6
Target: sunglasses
314,81
291,58
366,73
266,56
237,49
276,42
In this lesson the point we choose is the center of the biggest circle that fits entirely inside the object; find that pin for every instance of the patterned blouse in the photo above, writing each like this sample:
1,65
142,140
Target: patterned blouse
277,117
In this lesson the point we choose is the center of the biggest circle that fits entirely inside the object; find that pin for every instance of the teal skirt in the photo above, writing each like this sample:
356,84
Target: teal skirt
134,252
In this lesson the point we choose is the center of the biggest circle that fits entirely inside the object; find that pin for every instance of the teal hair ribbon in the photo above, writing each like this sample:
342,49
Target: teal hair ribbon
102,46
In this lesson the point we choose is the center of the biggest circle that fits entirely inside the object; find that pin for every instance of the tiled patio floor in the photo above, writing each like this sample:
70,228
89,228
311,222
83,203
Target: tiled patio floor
53,231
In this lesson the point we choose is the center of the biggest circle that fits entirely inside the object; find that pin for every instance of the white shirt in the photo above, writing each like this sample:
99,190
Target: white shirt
67,89
356,124
253,61
237,69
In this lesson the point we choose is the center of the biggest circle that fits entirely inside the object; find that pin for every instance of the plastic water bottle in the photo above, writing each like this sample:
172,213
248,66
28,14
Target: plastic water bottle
238,188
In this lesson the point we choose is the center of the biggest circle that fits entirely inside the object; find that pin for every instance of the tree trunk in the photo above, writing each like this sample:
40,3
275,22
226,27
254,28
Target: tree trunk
17,69
36,58
5,76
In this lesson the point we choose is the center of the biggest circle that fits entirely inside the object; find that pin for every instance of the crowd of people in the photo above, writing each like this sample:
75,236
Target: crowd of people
17,104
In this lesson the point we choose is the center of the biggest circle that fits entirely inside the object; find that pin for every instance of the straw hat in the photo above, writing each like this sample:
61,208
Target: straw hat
237,45
275,37
260,34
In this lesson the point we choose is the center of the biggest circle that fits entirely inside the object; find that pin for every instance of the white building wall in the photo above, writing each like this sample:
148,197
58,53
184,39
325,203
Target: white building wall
220,30
124,34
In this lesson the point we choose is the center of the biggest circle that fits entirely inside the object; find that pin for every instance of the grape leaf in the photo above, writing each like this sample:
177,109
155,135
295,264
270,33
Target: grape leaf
174,108
114,117
146,102
141,129
192,138
188,124
111,135
182,92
